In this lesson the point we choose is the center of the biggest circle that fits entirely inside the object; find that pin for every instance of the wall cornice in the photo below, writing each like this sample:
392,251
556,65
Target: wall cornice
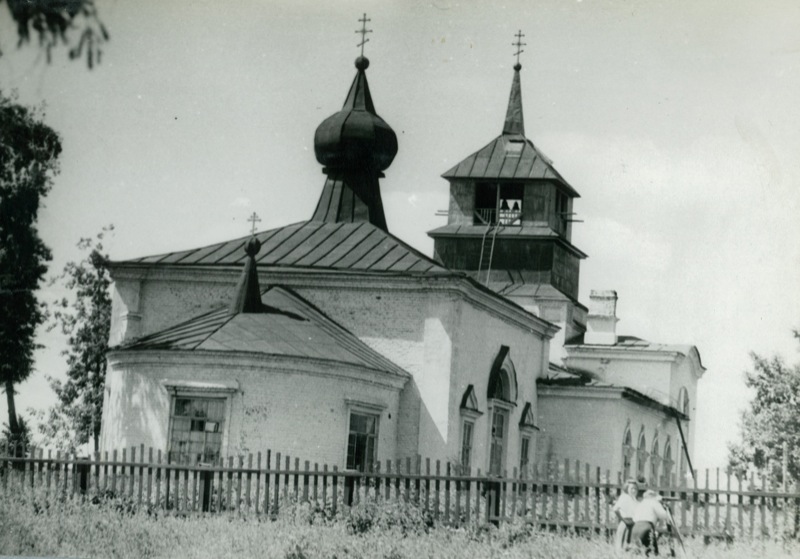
456,284
230,362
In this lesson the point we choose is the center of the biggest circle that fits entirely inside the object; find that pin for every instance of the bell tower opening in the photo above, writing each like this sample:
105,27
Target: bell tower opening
498,204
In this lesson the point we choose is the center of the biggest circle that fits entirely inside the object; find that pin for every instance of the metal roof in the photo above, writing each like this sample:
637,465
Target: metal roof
508,157
312,244
633,343
287,326
535,230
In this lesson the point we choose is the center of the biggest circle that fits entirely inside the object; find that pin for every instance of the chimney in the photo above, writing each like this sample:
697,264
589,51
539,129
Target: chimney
601,323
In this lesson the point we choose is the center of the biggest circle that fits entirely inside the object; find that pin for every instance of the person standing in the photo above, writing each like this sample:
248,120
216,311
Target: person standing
623,508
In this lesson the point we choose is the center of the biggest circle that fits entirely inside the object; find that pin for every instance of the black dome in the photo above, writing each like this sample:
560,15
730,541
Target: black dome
356,136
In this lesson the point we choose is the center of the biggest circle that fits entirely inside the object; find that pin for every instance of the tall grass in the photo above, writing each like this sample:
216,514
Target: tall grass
109,529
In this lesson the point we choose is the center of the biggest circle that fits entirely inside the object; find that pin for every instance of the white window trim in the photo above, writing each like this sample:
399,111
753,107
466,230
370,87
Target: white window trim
365,408
180,390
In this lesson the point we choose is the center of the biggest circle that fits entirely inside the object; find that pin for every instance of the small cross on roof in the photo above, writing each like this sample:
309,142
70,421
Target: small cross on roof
519,44
253,219
363,32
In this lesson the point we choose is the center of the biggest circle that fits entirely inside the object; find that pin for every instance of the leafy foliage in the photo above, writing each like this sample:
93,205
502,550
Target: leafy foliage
72,23
85,320
29,151
21,439
772,422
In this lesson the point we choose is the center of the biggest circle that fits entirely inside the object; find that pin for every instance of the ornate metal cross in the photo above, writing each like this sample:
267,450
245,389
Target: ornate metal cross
253,219
363,32
519,44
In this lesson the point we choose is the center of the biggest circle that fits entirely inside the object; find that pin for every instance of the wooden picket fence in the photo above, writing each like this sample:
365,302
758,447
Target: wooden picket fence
566,495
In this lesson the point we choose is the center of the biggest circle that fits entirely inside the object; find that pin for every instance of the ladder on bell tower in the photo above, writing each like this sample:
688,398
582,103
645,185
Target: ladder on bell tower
487,253
493,225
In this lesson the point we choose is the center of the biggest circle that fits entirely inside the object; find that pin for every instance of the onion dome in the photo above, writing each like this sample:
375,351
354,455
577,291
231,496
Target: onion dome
356,136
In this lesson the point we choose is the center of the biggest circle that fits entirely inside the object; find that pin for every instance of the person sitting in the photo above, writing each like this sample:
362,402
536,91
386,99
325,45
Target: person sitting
646,515
623,509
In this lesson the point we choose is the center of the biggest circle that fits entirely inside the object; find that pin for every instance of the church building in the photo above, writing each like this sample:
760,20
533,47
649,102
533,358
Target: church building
334,341
340,345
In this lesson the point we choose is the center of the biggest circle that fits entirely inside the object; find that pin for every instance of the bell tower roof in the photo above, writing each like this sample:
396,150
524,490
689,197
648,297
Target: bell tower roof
511,155
514,123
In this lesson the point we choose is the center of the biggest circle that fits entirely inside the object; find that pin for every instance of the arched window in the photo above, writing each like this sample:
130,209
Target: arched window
500,388
641,458
627,453
667,470
655,463
683,401
502,378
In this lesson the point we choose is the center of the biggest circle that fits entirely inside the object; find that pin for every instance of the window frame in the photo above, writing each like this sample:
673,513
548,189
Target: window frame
186,394
466,465
365,409
628,451
666,473
505,408
525,437
655,461
641,454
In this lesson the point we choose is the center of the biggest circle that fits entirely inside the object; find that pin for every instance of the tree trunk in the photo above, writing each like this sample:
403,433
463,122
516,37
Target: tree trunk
13,425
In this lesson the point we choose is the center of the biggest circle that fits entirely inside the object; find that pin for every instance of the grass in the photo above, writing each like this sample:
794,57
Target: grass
73,529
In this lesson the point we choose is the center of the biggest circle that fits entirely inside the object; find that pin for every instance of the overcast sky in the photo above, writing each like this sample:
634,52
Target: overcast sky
676,121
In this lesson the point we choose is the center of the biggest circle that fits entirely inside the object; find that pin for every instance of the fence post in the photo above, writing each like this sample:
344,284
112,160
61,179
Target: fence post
205,487
349,486
83,475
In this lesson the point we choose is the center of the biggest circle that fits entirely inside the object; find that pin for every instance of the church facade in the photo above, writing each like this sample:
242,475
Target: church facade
447,367
333,341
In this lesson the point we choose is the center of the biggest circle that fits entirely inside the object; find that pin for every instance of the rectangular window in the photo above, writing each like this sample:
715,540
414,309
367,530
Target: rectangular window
362,441
197,427
497,446
466,446
524,453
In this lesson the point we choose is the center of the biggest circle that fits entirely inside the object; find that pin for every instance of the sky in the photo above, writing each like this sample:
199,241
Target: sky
676,121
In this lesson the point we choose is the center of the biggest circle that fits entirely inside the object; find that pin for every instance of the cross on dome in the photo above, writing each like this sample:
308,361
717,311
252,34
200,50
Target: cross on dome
363,31
519,44
253,219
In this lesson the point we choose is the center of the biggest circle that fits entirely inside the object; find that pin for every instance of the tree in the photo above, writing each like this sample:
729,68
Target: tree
29,153
71,23
85,320
772,424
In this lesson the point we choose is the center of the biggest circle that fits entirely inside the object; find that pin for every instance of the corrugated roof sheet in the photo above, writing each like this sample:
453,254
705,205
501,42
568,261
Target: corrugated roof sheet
502,158
312,244
290,326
